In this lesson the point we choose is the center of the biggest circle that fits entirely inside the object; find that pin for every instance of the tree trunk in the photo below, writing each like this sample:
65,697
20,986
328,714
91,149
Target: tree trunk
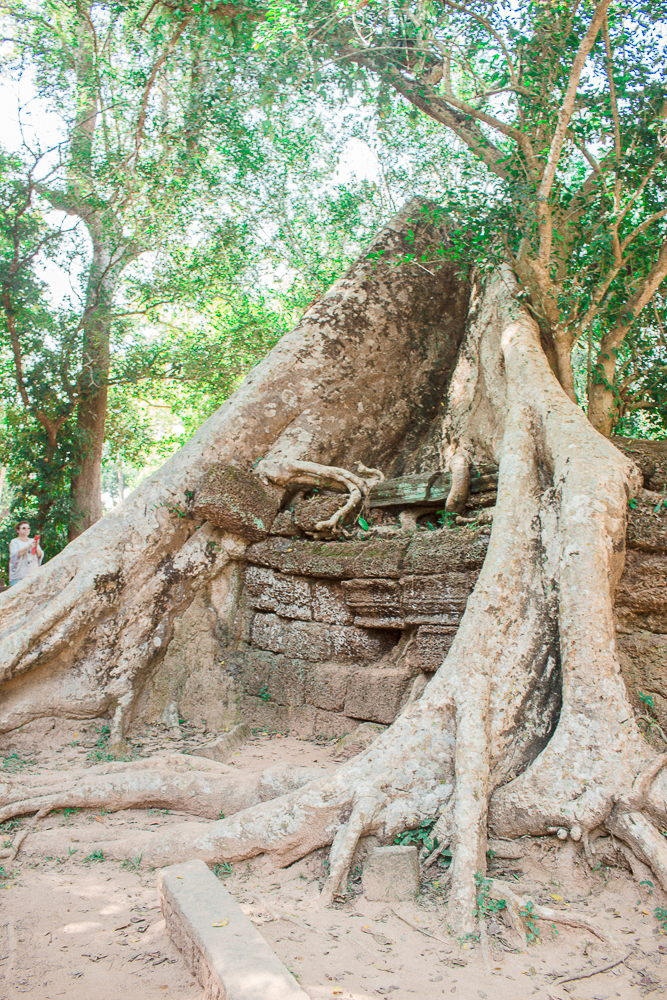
526,729
601,401
86,487
364,372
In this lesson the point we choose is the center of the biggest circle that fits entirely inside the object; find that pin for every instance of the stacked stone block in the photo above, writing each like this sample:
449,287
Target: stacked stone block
322,624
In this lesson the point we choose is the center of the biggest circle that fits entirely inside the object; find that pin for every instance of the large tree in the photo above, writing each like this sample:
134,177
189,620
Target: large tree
526,728
565,106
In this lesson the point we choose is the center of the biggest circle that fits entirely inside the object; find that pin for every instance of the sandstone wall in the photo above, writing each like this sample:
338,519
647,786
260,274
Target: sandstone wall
319,636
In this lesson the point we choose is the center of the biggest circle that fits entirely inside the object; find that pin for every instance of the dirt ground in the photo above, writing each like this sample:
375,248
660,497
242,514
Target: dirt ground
90,929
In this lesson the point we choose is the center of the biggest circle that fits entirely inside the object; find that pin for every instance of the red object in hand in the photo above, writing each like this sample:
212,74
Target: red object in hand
34,548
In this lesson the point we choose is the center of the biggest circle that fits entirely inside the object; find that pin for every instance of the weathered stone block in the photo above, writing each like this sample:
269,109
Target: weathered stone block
375,694
220,945
374,602
650,456
351,643
647,529
308,513
284,524
306,640
430,647
287,682
331,724
253,669
438,594
423,489
336,560
268,632
288,596
327,686
437,551
317,641
641,595
224,746
329,603
643,659
261,714
235,500
391,874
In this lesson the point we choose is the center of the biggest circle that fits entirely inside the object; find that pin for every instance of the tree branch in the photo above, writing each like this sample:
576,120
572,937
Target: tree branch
560,133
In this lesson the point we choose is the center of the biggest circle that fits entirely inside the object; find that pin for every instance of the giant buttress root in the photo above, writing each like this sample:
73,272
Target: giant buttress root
528,715
80,637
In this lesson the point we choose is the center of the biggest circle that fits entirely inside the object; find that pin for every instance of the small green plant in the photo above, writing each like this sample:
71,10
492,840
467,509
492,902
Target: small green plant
447,518
223,869
632,503
649,885
647,700
660,914
132,864
264,693
485,906
100,751
363,523
15,762
4,873
530,920
421,836
95,856
221,815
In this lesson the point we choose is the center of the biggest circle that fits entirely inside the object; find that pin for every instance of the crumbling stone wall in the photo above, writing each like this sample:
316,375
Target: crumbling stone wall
319,636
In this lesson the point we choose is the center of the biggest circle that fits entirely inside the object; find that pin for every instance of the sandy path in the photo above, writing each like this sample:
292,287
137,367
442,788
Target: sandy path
93,930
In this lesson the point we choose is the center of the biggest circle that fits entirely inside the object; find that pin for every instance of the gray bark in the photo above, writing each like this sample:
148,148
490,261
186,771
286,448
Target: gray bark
359,378
526,728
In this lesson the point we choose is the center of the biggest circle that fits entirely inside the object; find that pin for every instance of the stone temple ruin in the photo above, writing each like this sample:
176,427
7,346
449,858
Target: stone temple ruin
318,635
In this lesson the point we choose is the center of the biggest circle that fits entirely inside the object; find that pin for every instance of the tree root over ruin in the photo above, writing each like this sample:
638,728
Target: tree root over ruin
526,729
288,472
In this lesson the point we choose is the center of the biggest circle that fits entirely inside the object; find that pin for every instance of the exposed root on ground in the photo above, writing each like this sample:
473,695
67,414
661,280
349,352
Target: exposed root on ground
523,911
182,782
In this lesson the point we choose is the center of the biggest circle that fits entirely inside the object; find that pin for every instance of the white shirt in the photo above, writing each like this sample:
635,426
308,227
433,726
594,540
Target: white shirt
24,565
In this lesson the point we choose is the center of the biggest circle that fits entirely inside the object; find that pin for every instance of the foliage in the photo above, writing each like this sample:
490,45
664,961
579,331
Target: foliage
530,920
420,836
485,906
196,197
95,856
565,107
208,213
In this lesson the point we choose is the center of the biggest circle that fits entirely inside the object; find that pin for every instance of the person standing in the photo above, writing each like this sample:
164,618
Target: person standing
25,554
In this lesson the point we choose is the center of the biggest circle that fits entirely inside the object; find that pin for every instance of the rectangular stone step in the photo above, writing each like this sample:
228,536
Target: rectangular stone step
221,947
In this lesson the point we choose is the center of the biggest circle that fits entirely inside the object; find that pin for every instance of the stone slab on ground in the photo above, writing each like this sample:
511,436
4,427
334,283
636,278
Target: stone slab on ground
391,873
229,957
224,746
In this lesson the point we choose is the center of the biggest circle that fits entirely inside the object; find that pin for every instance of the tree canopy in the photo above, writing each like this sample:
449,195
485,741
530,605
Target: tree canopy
193,196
